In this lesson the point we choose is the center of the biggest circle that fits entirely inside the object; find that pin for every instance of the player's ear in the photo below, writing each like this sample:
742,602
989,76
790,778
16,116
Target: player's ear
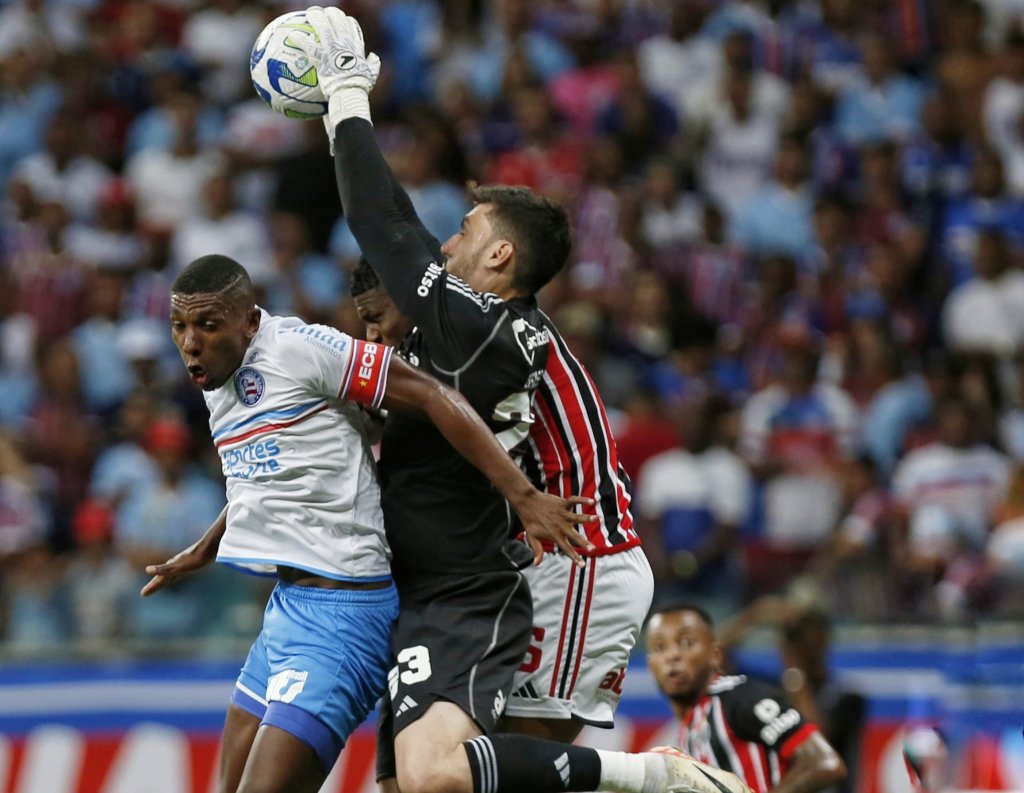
717,656
252,321
502,253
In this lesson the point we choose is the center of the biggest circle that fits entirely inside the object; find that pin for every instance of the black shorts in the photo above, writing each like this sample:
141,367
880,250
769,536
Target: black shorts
460,640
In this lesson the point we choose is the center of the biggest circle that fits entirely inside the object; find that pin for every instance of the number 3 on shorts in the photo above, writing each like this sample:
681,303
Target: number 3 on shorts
417,662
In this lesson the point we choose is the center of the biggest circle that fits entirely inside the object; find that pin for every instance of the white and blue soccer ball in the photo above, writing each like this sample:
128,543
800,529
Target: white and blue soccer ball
283,75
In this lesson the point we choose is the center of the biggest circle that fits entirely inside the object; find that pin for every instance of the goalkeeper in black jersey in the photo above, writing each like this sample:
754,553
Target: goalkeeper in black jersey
465,609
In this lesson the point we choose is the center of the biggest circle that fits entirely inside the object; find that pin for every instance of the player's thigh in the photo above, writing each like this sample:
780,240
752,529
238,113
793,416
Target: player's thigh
558,730
240,728
328,653
586,622
460,644
281,763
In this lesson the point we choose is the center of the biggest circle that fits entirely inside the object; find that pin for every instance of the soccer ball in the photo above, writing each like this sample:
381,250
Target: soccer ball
282,73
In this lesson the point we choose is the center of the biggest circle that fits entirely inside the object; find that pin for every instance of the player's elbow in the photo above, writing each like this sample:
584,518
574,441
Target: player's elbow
831,769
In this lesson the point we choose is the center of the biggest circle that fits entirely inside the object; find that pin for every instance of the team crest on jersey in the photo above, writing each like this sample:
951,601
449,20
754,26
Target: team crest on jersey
249,385
528,337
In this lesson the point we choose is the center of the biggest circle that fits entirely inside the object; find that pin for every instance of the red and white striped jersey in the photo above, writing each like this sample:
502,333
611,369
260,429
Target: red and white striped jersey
747,727
570,450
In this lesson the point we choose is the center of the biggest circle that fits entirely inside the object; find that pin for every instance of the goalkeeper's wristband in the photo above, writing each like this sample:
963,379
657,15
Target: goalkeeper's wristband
348,103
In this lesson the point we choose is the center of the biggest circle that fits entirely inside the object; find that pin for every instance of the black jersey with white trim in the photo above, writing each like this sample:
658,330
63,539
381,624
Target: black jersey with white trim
441,515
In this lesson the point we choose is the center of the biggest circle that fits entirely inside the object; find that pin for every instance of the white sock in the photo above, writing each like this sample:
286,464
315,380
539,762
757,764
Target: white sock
632,773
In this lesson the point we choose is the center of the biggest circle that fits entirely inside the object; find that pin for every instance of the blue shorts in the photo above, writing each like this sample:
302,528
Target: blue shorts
320,663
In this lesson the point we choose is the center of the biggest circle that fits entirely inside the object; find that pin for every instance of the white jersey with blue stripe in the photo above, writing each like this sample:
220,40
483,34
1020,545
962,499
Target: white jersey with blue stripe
301,481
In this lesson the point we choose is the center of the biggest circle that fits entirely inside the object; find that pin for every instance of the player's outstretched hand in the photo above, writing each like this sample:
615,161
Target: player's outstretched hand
193,558
339,52
548,517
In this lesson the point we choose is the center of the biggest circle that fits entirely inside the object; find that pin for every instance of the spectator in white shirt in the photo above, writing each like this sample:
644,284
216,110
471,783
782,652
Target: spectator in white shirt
741,146
1003,112
223,228
947,491
61,171
678,62
986,314
168,185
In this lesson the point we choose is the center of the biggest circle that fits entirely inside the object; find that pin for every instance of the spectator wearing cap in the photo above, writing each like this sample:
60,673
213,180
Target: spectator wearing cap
99,583
161,517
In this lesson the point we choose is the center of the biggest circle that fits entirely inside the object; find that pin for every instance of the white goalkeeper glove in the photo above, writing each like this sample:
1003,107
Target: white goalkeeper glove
346,74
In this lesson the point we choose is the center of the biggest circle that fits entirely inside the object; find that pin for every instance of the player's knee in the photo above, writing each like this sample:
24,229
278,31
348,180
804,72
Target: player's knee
433,775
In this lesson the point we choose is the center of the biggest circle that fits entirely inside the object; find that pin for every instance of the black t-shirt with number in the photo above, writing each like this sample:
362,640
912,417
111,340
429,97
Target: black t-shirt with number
747,727
441,515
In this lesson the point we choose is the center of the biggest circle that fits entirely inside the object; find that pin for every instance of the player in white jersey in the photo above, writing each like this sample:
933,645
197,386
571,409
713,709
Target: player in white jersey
303,503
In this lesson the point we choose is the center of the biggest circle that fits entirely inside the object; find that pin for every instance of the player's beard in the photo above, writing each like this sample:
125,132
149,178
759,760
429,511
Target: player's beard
693,695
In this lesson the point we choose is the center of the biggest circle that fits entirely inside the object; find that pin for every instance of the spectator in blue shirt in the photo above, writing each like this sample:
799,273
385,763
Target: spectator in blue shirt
777,219
882,104
987,206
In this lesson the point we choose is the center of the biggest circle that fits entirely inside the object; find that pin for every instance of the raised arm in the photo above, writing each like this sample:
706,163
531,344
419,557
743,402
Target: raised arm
544,517
379,213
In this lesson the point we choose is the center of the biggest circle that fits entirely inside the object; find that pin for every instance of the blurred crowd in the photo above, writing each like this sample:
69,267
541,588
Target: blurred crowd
797,278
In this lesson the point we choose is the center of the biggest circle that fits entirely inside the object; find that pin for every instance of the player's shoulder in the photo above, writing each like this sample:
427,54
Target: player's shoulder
460,291
727,683
287,337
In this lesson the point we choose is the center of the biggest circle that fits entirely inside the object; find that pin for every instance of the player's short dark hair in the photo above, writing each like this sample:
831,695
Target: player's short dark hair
537,227
693,608
212,274
363,278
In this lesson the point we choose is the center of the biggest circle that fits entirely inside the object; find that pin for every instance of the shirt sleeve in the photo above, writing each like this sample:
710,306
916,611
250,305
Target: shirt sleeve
761,713
334,365
406,258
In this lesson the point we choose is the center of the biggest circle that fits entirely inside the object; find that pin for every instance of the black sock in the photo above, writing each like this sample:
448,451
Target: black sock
514,763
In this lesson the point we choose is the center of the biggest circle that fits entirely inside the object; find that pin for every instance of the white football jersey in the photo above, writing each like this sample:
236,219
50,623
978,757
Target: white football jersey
301,481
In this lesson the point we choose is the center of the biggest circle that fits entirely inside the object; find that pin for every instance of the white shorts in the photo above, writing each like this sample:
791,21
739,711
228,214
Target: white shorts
585,622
